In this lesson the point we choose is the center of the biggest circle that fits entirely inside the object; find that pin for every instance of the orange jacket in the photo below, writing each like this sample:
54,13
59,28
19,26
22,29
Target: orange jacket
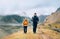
25,22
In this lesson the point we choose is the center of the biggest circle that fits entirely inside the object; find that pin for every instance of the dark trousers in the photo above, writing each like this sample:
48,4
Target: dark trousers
34,28
25,29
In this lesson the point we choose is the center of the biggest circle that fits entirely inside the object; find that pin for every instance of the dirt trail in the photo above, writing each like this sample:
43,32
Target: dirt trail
29,35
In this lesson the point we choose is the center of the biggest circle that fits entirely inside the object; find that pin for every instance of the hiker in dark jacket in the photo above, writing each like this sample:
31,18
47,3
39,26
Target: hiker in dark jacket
35,20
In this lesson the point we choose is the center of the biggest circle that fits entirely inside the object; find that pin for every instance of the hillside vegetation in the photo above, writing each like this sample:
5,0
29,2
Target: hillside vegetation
53,20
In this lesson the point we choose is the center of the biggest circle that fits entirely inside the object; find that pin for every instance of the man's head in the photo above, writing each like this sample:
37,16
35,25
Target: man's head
35,14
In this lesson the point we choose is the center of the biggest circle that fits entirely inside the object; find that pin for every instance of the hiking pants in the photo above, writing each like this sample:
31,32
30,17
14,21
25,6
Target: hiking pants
34,28
25,29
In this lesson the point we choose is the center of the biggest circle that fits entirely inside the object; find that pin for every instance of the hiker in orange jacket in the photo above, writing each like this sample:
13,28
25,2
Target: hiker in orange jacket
25,24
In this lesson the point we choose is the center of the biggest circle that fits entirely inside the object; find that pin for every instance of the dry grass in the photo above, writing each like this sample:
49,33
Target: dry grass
22,35
42,33
51,33
56,25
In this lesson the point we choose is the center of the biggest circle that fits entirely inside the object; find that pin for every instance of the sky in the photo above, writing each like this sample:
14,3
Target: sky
28,7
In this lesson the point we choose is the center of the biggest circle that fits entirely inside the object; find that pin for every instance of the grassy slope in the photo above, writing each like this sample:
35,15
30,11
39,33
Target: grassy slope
47,30
42,33
56,25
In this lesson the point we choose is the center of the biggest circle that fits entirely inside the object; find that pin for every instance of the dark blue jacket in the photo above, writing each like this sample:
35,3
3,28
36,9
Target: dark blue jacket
35,19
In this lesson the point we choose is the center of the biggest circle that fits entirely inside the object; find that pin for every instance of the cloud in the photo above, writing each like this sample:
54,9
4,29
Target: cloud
28,6
41,11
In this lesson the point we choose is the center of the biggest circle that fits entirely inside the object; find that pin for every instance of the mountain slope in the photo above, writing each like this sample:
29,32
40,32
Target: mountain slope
42,18
58,9
53,19
12,19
